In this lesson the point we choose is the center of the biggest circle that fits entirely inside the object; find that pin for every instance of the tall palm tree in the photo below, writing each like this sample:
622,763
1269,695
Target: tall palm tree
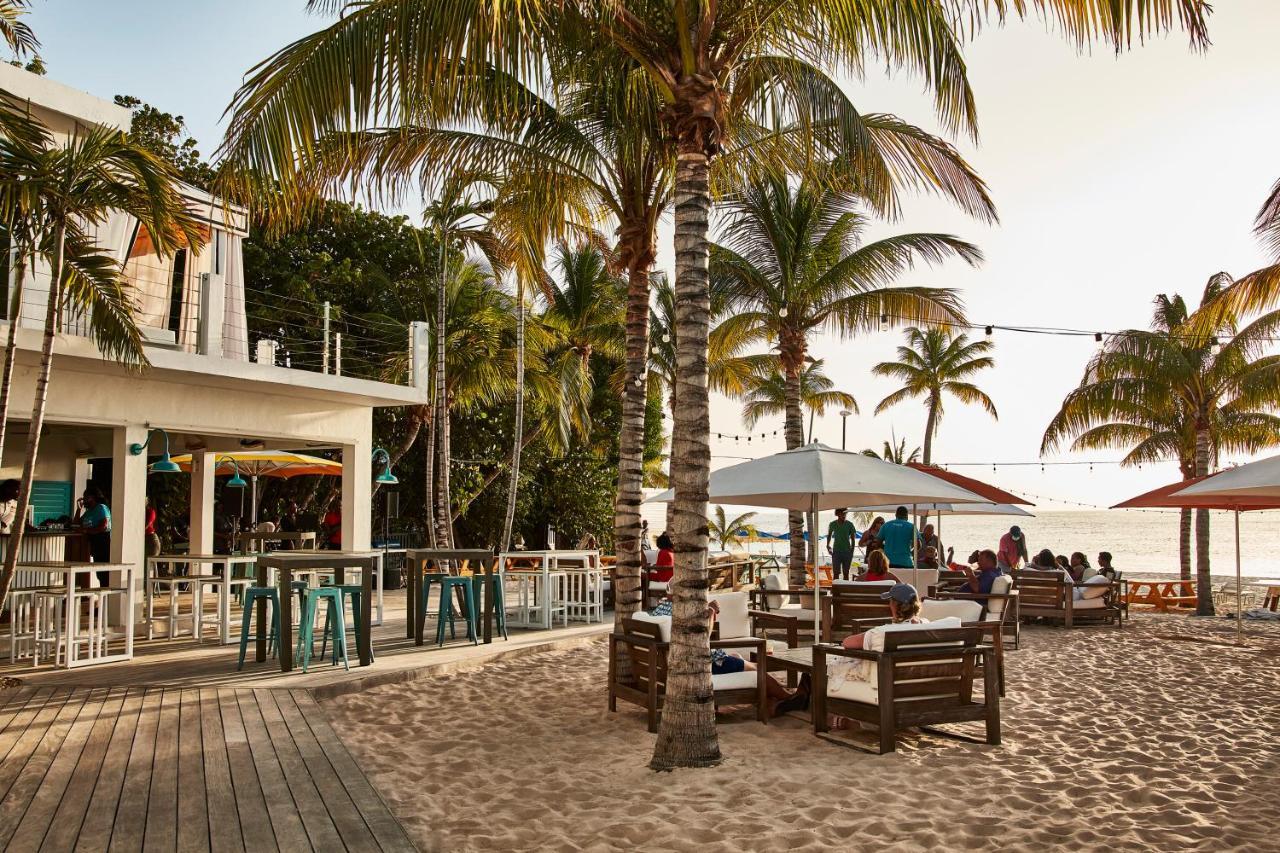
936,362
80,184
766,394
1176,392
895,451
795,264
725,530
724,74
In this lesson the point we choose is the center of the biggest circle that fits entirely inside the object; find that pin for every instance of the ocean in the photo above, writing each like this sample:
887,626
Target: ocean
1143,543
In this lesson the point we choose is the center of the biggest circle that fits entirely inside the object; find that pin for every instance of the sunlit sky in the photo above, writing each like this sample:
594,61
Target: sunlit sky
1116,178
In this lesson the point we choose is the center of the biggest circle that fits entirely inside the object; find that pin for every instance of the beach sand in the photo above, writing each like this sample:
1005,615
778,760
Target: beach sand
1158,736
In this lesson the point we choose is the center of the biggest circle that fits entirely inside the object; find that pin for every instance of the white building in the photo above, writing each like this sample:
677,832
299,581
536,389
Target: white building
203,388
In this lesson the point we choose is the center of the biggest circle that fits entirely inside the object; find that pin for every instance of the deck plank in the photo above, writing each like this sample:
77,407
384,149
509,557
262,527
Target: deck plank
25,731
162,803
282,807
255,822
31,829
69,818
386,829
128,830
101,814
311,808
222,811
45,741
333,792
193,809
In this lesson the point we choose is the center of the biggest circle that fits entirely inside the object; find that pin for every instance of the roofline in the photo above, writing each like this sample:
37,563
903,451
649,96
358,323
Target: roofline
61,98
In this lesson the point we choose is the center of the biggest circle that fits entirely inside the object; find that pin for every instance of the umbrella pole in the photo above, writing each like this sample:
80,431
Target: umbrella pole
915,555
253,505
817,580
1239,616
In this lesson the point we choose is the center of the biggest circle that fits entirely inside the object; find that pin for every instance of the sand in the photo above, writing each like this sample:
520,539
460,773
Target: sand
1158,736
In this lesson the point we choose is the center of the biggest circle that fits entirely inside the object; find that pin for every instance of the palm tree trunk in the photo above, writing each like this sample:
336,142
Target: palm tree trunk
51,317
1184,544
444,521
10,353
930,426
517,431
429,478
687,736
794,433
626,509
1204,588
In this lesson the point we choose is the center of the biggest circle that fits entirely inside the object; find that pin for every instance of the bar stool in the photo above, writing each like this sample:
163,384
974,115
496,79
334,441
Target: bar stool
333,621
353,592
172,583
556,598
449,583
424,599
51,628
251,595
493,601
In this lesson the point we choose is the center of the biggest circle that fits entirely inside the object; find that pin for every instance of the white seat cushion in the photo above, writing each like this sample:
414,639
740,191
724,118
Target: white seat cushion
772,582
802,613
661,586
734,619
1000,586
844,675
745,680
1096,587
966,611
745,652
1089,604
663,623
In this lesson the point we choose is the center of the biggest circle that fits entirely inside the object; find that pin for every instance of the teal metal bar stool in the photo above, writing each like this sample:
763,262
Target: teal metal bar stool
449,583
494,600
251,596
350,592
333,622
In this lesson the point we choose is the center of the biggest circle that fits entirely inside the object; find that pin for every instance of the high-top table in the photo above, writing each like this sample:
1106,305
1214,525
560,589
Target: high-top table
285,563
416,560
296,538
584,564
63,574
228,563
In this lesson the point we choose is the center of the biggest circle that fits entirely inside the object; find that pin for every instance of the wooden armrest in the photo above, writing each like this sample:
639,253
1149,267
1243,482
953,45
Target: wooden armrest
956,595
832,649
738,642
641,640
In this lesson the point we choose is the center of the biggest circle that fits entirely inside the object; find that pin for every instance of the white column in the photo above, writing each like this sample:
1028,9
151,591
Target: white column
357,476
202,468
128,507
80,478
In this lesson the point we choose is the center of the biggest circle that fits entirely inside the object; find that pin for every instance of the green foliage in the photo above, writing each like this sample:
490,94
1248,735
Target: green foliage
165,135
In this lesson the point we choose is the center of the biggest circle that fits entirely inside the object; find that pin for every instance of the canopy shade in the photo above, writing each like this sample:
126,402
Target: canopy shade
954,509
991,493
1255,481
270,463
1179,496
817,477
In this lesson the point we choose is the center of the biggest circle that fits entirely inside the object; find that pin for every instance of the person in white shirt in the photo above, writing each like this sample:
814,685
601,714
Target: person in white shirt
8,504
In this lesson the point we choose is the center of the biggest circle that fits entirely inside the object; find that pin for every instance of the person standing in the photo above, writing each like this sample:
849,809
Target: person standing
8,504
899,538
153,538
840,537
644,535
332,525
1013,549
94,517
870,540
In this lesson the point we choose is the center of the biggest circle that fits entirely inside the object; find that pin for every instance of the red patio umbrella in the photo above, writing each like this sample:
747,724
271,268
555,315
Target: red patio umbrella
1167,497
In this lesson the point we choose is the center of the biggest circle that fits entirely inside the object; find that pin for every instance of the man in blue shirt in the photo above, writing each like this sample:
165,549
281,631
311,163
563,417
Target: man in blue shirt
898,537
988,570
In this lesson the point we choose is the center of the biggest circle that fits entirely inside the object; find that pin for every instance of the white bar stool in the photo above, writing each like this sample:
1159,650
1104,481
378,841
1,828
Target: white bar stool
171,584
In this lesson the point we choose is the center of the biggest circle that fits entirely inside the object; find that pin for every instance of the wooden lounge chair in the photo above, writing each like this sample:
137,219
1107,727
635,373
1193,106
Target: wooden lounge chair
1001,605
647,647
922,676
1048,595
854,608
972,614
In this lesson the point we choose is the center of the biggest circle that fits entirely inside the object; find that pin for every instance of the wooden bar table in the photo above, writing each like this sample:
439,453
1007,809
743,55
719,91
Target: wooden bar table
285,563
416,560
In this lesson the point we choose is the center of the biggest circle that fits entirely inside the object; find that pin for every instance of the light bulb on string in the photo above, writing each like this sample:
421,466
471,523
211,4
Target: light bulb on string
884,322
990,330
666,338
1097,340
782,312
1215,346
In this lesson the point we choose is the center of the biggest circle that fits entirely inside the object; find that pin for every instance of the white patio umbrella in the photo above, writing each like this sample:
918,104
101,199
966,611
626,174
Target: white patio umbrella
816,477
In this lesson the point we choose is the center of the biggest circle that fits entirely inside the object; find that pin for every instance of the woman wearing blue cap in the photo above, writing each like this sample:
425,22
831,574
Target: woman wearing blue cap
904,606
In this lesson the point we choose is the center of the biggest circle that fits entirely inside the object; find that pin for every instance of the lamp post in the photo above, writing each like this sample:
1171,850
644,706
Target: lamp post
844,423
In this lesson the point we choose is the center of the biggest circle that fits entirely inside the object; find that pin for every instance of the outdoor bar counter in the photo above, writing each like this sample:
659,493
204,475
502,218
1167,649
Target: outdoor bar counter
43,546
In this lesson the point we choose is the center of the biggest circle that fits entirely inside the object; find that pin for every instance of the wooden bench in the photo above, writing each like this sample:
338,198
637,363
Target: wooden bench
648,653
1047,595
916,683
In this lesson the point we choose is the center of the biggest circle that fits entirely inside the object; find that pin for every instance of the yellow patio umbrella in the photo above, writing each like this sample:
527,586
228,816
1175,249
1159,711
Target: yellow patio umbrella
267,463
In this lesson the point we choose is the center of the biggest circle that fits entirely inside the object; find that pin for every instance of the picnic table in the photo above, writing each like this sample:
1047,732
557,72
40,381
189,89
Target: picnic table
1270,593
1161,594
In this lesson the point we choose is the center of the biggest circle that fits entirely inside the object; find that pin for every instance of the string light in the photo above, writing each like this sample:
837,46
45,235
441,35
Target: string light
990,329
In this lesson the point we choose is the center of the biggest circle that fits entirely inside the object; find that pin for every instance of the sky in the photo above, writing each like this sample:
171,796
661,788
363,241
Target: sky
1116,178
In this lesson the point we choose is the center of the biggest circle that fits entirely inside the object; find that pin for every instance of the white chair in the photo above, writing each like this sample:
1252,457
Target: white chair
51,629
170,586
556,598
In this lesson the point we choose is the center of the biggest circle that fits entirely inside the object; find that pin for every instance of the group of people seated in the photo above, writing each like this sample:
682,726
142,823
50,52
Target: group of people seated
1076,567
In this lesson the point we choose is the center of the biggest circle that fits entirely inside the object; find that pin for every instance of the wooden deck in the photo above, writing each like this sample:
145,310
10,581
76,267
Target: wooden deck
132,768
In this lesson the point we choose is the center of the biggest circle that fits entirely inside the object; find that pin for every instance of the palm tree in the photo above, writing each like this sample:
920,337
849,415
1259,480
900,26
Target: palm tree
96,173
14,31
933,363
1175,392
766,394
795,264
895,451
725,530
725,76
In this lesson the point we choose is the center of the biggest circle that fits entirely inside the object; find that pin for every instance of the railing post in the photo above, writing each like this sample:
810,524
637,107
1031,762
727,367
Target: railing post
337,354
420,355
212,305
325,359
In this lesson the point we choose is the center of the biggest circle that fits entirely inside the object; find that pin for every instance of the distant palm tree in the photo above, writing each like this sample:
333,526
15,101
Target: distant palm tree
726,530
1176,392
895,451
934,363
766,395
14,31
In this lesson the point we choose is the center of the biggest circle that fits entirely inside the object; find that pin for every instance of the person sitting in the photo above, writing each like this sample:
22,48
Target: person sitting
1079,567
1104,565
959,567
1044,561
904,606
877,569
929,560
870,538
979,583
1063,563
664,565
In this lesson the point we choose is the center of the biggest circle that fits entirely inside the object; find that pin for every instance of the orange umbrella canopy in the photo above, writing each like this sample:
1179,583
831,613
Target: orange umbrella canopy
269,463
992,493
1165,497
